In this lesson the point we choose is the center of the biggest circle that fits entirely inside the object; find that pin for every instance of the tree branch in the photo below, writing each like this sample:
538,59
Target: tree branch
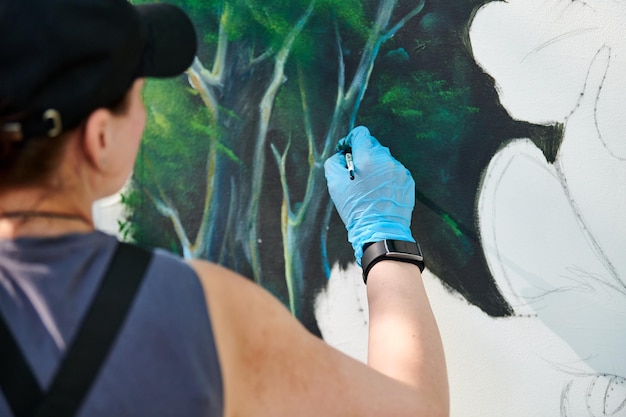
280,162
265,111
330,140
264,56
378,35
219,63
207,223
403,21
167,210
306,115
341,70
204,82
286,228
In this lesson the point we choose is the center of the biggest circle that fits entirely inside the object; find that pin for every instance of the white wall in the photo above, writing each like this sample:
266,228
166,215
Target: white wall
106,214
497,367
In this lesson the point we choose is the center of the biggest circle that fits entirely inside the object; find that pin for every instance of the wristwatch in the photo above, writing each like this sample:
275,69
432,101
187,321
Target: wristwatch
397,250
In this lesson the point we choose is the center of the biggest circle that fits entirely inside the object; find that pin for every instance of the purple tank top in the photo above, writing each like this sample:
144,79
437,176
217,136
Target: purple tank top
164,361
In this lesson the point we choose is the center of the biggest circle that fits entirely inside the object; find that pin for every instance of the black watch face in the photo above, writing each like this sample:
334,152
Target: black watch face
403,247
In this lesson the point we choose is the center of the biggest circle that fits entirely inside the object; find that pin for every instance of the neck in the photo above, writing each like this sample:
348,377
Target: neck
27,213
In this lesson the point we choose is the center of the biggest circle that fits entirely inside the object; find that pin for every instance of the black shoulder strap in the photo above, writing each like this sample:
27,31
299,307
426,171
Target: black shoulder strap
18,383
87,353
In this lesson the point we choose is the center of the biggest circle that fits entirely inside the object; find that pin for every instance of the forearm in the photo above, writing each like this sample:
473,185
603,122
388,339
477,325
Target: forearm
404,341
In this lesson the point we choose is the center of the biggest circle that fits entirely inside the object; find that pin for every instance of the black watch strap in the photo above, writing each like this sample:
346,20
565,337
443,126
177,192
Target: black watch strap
397,250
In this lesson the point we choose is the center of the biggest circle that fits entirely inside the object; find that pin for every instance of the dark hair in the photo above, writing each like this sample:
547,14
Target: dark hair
32,162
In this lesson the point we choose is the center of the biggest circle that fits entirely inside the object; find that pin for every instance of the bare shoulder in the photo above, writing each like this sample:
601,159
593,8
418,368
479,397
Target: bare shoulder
273,366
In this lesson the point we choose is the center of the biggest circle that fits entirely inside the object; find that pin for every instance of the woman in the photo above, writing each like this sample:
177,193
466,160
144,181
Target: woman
198,339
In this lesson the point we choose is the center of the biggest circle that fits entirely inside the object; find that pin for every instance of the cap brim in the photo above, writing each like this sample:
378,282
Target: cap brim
170,40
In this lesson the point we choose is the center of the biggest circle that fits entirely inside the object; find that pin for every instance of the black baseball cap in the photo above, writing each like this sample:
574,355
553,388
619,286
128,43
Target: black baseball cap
62,59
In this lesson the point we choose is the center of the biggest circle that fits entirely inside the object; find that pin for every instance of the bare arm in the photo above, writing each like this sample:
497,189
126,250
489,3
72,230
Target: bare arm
404,341
272,366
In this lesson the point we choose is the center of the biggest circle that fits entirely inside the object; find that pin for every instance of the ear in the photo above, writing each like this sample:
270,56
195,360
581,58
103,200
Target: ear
97,139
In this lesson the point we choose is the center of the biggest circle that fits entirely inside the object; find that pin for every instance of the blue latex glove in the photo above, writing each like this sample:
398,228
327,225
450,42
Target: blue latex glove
378,203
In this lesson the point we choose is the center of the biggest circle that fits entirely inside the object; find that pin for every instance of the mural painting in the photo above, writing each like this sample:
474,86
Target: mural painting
518,167
231,168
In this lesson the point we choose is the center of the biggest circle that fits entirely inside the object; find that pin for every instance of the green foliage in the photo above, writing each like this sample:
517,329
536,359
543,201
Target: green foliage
440,112
349,14
171,162
429,120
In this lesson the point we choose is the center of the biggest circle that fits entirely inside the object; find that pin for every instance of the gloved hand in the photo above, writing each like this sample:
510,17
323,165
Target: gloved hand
378,203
